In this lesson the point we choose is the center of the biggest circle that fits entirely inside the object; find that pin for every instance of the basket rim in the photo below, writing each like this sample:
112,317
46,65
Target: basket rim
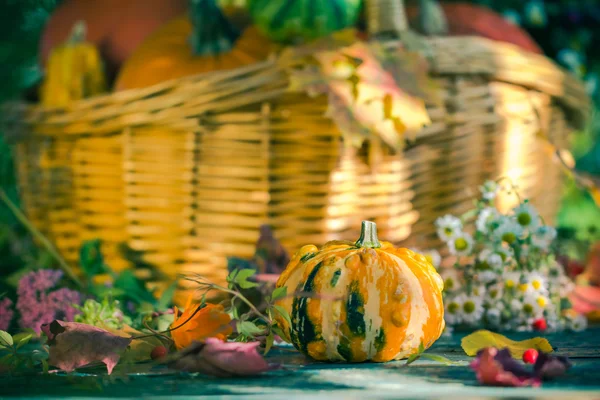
494,60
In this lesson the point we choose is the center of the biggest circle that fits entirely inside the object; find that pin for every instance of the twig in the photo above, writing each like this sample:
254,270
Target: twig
40,237
162,335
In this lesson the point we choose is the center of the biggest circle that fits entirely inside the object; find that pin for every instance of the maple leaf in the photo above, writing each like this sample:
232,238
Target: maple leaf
216,358
73,345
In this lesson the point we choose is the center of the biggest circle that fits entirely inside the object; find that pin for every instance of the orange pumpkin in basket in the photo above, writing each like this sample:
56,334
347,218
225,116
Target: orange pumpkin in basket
203,41
363,300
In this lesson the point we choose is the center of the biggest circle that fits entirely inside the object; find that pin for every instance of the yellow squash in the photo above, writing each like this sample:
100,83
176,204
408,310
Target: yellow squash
362,301
74,71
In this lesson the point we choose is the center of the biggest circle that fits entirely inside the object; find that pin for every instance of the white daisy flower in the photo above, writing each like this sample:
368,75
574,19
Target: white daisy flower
493,317
472,308
433,256
512,280
453,311
485,219
448,227
508,231
461,245
534,305
478,291
494,293
543,237
490,260
486,276
577,323
527,216
489,190
516,305
538,282
505,253
451,277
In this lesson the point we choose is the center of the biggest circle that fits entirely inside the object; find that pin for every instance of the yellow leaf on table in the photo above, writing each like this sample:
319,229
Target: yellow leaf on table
481,339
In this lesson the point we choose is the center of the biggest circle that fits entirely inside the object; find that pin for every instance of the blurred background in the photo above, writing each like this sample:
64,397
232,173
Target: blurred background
566,30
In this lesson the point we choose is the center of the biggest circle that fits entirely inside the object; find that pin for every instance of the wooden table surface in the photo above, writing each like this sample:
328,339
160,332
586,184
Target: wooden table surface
301,379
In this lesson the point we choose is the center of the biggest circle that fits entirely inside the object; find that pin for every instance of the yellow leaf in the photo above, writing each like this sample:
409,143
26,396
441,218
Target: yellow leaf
481,339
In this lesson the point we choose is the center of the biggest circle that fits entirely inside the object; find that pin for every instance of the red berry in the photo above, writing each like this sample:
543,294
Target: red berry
530,356
159,352
540,324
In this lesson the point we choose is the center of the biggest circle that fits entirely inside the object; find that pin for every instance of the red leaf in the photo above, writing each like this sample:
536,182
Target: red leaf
74,345
221,359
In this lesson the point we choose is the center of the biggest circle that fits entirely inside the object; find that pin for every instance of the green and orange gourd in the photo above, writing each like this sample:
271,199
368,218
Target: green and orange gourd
362,301
202,40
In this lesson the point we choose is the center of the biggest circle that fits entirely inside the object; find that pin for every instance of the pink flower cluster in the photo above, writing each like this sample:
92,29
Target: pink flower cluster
6,313
38,305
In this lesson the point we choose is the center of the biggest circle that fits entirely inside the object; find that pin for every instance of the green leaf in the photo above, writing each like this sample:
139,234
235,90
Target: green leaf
21,339
269,342
284,314
278,331
6,340
414,357
7,358
249,329
134,288
91,258
480,339
438,358
45,366
242,276
167,297
279,293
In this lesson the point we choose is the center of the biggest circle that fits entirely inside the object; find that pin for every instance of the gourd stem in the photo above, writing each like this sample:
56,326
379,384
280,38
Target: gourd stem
368,236
212,33
78,32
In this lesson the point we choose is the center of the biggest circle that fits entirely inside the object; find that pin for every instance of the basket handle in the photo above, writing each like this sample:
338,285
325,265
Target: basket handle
387,18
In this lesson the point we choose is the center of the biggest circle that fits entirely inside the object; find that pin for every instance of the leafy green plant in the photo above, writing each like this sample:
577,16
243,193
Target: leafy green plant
18,360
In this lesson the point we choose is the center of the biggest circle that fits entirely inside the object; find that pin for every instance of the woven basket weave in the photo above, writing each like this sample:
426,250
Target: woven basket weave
186,171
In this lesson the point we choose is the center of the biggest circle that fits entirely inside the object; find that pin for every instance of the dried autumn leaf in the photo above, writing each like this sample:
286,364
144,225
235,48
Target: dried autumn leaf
139,349
74,345
495,367
221,359
481,339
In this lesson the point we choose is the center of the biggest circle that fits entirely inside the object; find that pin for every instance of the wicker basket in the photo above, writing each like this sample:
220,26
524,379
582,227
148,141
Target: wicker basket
186,171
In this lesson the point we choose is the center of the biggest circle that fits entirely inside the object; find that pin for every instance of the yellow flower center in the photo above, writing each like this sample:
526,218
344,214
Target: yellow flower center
528,308
524,219
461,244
448,231
449,284
536,284
509,283
523,287
452,308
509,237
493,293
469,307
542,302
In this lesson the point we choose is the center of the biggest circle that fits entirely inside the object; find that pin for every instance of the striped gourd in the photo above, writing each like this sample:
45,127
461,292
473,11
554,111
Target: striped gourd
296,20
362,301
